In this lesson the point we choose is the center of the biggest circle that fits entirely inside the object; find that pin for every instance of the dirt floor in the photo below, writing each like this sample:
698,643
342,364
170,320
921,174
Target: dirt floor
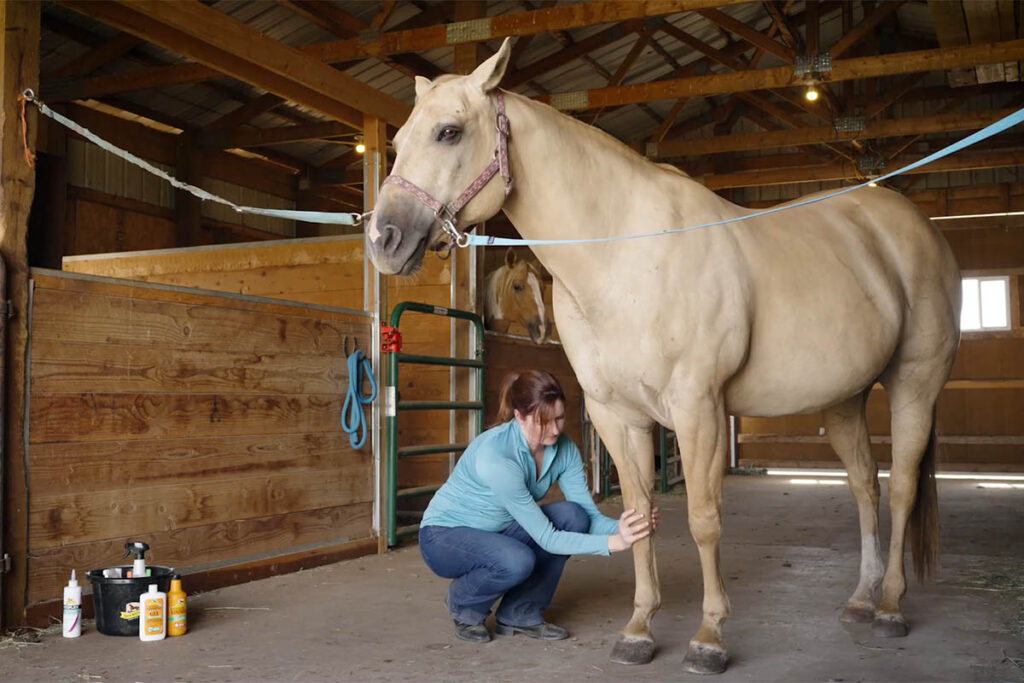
790,557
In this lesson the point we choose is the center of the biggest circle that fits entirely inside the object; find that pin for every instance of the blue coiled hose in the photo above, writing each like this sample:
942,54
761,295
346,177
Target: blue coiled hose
353,420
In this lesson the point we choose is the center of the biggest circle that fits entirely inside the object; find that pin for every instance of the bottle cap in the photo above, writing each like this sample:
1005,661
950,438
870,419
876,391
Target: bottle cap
152,588
73,581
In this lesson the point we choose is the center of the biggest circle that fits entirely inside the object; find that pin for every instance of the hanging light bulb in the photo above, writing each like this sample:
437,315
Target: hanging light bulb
360,148
811,94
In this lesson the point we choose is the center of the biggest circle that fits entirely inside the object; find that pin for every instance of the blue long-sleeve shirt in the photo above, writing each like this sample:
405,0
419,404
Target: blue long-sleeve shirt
496,482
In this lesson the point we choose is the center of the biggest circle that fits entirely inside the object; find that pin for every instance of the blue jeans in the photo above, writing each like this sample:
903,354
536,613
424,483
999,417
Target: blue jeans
486,565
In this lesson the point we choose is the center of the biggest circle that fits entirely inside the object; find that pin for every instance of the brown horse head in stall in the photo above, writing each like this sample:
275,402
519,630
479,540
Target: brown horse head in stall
514,292
794,312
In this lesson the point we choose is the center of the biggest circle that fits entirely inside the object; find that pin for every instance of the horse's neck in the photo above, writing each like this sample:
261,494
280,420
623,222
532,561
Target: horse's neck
573,181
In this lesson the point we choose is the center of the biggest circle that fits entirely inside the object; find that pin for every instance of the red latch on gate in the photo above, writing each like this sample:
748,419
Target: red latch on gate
390,339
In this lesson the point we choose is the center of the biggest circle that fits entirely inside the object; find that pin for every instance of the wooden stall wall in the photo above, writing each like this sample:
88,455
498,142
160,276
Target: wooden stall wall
204,425
979,411
327,271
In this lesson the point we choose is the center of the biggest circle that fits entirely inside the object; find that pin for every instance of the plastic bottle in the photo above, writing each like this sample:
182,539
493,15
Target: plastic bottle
177,622
152,614
138,548
72,627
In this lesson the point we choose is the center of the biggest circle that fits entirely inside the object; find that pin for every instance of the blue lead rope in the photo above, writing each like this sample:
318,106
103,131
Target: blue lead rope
485,241
353,420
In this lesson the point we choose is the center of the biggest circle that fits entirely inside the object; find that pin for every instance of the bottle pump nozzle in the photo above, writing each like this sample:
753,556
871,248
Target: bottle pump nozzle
138,548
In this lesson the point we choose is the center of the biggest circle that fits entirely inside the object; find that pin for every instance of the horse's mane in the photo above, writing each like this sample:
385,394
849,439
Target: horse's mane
598,136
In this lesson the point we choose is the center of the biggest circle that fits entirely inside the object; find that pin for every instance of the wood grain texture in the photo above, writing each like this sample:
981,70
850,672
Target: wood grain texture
75,517
202,545
88,368
105,466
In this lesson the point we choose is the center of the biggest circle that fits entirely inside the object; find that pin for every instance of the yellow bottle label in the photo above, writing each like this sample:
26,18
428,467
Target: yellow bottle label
176,620
153,617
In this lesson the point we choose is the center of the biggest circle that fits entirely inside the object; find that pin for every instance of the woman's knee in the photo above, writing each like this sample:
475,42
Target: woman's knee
515,564
569,516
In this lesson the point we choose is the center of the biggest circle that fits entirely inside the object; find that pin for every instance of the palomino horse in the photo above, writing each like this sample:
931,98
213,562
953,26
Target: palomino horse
514,292
793,312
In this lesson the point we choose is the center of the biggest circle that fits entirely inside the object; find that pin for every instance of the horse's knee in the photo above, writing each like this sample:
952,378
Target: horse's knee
705,526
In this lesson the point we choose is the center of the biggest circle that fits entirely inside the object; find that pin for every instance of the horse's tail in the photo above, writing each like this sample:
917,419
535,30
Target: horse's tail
924,517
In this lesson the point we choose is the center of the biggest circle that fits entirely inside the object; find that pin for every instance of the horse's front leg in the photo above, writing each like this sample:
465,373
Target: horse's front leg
701,433
632,450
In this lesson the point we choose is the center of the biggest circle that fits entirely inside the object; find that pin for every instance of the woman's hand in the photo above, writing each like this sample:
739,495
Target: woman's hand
632,528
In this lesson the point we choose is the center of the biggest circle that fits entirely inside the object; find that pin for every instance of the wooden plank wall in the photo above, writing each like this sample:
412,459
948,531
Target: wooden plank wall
327,271
979,412
204,425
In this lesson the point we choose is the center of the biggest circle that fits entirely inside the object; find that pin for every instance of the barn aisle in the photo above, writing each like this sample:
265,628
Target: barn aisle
790,555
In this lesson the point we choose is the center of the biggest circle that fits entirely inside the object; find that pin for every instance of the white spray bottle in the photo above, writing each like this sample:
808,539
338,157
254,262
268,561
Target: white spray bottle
72,627
138,549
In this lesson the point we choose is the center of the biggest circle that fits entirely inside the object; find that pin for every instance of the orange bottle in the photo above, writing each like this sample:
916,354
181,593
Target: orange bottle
176,616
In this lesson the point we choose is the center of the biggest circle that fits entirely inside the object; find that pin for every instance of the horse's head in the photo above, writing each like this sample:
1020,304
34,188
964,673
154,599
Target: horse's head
515,293
448,140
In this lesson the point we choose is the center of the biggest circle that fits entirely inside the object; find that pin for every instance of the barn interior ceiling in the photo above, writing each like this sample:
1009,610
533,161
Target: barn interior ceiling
716,87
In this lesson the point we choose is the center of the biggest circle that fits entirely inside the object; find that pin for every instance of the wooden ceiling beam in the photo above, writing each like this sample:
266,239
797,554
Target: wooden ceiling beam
576,51
779,77
861,30
245,113
106,52
748,34
258,137
849,171
343,25
208,36
784,26
817,135
508,25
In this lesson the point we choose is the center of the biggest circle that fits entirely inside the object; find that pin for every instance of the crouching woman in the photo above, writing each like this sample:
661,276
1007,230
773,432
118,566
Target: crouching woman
484,528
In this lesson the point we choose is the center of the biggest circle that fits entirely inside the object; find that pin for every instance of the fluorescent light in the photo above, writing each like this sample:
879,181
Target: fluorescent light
828,482
979,215
970,476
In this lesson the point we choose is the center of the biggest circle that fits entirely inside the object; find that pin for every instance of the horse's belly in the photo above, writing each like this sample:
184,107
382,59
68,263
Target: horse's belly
793,377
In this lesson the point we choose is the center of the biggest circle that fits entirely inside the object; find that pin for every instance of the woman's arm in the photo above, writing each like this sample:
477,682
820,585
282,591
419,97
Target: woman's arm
573,483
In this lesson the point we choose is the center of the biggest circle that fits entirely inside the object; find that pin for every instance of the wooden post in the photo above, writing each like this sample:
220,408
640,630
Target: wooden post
20,55
375,169
464,265
187,207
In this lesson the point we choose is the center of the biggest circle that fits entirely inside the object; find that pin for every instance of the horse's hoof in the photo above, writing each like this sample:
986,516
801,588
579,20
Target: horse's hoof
633,651
705,659
889,626
857,615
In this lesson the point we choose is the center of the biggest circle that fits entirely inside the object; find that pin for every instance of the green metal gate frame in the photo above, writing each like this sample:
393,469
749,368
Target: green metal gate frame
393,406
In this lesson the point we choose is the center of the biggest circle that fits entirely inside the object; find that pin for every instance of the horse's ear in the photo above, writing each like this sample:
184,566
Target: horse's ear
510,257
422,86
489,74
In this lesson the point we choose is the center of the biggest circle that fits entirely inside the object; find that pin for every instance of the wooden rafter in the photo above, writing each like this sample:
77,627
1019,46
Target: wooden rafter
749,34
642,40
245,113
103,54
343,25
778,77
782,24
861,30
817,135
848,170
240,51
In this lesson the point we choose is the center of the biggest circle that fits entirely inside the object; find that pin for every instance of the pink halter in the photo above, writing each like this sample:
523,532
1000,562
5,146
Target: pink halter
447,213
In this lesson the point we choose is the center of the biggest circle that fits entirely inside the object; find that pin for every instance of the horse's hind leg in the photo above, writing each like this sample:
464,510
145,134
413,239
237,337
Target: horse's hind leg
633,452
913,390
847,429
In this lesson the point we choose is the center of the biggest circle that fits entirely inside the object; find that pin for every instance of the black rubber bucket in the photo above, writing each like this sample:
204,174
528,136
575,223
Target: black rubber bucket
116,601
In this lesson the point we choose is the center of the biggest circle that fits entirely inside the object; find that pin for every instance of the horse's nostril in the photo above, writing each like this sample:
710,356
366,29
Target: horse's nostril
390,238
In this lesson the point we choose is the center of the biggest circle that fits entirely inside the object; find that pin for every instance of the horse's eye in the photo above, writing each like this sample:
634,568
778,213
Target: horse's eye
518,287
448,134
